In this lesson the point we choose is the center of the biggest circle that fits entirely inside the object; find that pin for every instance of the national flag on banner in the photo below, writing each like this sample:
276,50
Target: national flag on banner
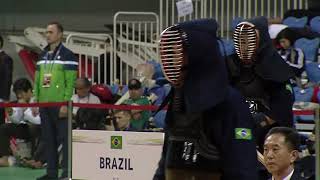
116,142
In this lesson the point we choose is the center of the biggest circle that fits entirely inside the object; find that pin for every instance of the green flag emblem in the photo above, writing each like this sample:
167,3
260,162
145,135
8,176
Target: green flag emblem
243,133
116,142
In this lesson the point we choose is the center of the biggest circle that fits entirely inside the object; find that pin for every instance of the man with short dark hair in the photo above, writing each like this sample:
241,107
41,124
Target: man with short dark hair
54,82
280,152
122,119
6,68
57,24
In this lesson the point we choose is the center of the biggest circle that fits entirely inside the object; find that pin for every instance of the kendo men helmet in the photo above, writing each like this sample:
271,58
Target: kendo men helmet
246,42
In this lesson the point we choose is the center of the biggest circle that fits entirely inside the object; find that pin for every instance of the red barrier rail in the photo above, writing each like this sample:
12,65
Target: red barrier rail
97,106
303,112
112,106
33,104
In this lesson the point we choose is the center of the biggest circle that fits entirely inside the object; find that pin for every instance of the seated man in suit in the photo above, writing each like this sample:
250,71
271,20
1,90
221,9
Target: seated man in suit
280,152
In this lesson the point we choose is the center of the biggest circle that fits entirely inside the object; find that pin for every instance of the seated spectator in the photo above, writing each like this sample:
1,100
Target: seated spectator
280,153
23,124
83,95
121,121
293,56
305,91
139,118
90,119
311,142
154,82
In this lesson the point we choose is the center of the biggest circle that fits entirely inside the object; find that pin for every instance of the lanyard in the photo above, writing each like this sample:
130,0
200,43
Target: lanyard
54,59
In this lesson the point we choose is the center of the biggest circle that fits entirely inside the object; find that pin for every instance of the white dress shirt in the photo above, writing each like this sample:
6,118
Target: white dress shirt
288,177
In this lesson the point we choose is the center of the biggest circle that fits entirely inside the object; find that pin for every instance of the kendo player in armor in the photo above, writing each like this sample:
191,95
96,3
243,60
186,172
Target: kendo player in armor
208,133
262,77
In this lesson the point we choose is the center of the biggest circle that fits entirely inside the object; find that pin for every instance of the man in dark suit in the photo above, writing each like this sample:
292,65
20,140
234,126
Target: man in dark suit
6,67
280,153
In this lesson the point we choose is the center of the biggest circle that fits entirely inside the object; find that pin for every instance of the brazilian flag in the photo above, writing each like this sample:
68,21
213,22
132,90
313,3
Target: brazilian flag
243,133
116,142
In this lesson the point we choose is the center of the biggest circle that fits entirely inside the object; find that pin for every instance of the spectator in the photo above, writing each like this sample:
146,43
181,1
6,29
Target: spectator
280,152
120,121
91,119
54,82
139,118
153,81
83,95
311,142
293,56
23,124
6,68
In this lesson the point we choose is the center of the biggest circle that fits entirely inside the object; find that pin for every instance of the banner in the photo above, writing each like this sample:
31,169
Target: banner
115,155
184,7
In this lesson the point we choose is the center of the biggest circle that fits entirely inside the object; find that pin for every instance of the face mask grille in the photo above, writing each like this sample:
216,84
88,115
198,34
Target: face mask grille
245,42
172,54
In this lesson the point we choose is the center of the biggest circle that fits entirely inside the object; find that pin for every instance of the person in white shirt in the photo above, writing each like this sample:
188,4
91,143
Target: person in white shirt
280,152
83,95
294,57
22,124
